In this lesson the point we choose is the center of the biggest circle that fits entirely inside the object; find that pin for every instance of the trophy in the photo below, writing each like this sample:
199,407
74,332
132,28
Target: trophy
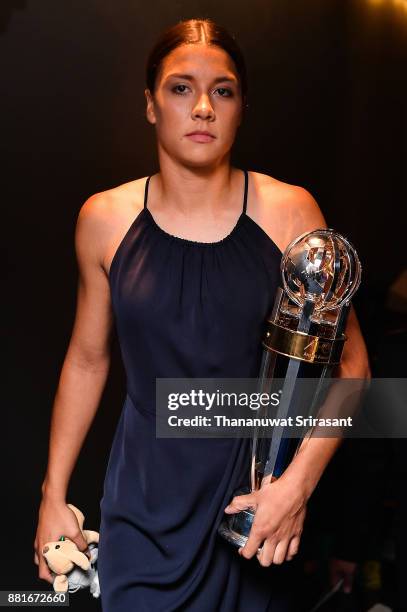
304,339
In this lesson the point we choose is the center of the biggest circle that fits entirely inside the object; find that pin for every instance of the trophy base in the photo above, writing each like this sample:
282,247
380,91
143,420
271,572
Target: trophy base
235,528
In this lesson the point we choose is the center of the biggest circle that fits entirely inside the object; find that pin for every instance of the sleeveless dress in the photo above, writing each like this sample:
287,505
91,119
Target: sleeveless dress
183,308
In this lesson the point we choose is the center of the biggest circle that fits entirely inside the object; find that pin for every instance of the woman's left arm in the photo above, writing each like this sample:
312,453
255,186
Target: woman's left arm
281,506
310,462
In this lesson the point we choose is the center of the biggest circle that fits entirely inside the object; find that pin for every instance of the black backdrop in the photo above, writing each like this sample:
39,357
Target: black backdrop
326,100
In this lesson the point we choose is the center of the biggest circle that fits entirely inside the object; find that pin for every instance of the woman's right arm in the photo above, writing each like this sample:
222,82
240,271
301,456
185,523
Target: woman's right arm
82,379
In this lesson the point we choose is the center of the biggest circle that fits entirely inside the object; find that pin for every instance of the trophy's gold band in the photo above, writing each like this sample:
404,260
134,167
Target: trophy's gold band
299,345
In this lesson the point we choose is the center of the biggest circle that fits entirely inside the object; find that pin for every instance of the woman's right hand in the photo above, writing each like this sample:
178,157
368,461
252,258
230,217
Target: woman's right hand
55,518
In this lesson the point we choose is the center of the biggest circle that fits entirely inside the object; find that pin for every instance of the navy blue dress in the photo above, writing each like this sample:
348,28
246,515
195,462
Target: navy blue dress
182,309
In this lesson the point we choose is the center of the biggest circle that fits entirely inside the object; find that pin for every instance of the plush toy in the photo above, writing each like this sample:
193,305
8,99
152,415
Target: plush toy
71,568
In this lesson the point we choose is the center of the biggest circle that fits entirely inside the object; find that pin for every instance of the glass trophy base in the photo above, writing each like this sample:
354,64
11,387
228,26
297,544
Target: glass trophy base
235,528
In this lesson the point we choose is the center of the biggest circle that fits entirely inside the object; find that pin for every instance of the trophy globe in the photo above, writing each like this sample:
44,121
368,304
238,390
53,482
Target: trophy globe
321,267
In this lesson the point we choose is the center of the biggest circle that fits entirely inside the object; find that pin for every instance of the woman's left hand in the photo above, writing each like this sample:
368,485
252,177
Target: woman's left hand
280,509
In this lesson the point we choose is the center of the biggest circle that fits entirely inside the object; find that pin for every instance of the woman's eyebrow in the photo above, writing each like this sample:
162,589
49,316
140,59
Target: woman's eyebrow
190,77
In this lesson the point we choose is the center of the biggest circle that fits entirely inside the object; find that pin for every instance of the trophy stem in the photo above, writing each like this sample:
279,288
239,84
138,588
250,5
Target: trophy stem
279,448
264,382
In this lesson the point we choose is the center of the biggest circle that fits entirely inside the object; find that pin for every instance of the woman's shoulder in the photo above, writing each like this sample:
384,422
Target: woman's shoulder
119,199
273,192
282,209
105,216
108,212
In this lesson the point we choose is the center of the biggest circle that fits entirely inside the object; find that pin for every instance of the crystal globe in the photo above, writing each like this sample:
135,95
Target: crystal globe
321,266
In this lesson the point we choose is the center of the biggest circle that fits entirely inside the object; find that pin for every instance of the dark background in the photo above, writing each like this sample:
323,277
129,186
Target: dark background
326,112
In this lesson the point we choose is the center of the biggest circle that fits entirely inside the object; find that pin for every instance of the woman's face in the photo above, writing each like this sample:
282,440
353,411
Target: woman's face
197,88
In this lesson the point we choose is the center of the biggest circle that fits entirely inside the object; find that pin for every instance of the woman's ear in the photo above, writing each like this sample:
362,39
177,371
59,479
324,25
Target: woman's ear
150,107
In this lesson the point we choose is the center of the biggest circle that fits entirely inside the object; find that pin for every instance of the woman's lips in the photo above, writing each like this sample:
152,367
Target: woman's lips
201,137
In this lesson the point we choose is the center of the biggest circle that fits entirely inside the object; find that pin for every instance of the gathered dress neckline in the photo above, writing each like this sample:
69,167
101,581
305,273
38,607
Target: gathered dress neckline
145,215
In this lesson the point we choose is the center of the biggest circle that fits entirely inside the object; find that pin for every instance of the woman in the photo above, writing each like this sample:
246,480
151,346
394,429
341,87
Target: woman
187,262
